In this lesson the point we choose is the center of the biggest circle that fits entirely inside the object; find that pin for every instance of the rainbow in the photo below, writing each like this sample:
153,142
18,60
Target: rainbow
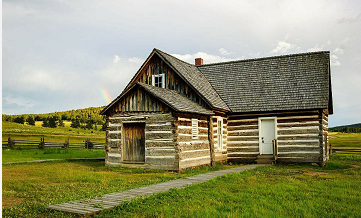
105,96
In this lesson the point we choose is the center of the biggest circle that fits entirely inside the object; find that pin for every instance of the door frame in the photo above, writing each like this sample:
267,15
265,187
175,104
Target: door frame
260,131
123,140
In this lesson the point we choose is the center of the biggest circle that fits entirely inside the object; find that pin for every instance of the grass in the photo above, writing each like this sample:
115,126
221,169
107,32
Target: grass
29,188
271,191
59,134
339,139
35,154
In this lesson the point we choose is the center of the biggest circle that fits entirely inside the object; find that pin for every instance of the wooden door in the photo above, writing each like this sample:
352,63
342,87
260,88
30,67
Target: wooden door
133,142
267,135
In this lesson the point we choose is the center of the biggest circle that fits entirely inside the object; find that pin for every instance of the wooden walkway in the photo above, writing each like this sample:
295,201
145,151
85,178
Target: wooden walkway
108,201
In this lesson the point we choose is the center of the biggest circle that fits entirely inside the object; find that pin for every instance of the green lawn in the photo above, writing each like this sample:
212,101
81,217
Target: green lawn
339,139
59,134
271,191
35,154
29,188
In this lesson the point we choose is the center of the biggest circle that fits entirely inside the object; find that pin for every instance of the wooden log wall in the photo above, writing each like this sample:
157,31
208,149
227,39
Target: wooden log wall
157,66
325,143
220,153
161,151
243,143
139,100
299,136
192,152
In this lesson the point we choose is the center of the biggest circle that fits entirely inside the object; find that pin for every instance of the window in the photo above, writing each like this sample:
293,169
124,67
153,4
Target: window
158,80
194,128
219,133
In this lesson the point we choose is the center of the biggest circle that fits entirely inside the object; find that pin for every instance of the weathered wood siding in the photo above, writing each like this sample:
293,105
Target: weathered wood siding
138,100
172,81
326,148
242,142
300,136
192,152
220,153
161,151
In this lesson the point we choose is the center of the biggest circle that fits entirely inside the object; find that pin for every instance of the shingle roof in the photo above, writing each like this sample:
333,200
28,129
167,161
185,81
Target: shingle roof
175,100
196,79
289,82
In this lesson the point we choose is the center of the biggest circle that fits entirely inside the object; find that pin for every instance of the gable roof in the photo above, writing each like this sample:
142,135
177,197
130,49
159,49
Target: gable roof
288,82
196,79
169,97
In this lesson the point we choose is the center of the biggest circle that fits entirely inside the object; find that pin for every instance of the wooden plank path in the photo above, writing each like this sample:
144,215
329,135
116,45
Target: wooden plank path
91,206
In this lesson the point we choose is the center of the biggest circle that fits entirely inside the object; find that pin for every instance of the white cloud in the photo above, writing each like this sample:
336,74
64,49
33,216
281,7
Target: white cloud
315,48
116,59
335,61
283,47
18,101
329,42
223,51
207,58
339,51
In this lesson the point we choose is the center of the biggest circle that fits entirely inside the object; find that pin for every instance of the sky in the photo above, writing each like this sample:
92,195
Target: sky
61,54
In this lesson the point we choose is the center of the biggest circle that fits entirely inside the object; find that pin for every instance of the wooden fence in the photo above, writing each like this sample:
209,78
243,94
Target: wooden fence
42,144
345,151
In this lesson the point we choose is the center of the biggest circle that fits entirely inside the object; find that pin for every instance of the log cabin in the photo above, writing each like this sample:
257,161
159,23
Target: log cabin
174,115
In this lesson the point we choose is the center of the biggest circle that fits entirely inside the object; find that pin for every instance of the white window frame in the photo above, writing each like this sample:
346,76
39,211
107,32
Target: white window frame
194,128
162,75
220,133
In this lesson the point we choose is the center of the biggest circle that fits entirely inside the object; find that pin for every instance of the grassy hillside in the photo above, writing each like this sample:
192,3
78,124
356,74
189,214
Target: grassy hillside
59,134
339,139
355,128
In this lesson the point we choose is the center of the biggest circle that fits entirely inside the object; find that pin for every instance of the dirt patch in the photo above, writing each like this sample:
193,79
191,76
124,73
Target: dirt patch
315,173
8,201
355,166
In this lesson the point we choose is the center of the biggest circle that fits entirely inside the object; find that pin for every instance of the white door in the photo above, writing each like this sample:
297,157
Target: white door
267,134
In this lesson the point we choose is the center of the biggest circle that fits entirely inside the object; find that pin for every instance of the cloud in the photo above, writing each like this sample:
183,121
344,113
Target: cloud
116,59
339,51
335,61
349,20
207,58
18,101
223,51
315,48
283,47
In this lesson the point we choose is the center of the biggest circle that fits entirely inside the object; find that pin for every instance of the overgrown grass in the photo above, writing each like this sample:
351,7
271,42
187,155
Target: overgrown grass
35,154
271,191
29,188
339,139
59,134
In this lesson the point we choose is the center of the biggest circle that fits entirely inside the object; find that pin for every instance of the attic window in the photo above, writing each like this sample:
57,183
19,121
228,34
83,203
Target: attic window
194,128
158,80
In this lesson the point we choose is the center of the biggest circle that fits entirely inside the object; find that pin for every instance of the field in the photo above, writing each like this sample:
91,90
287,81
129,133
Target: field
59,134
339,139
28,188
35,154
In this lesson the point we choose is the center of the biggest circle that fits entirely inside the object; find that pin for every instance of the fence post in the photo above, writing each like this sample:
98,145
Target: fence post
86,143
66,144
11,143
42,143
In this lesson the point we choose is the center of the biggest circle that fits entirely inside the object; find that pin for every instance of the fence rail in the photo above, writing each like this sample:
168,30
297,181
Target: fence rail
345,150
33,144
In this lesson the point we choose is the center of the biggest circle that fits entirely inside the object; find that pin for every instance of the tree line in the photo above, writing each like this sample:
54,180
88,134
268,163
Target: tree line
346,129
87,118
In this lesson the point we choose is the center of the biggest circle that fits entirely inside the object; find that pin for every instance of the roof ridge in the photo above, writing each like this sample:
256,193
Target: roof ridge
174,57
263,58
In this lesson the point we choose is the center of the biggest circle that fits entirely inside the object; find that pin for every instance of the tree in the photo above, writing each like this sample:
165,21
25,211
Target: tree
61,123
75,123
31,120
19,119
53,121
45,122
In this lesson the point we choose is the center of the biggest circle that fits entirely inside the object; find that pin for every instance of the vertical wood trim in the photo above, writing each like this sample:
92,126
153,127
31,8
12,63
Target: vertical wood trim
211,140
